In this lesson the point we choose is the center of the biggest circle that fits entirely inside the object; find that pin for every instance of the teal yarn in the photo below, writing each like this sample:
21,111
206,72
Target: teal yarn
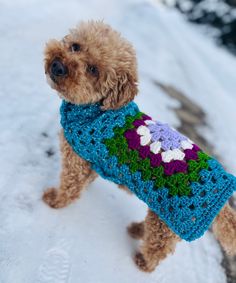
186,193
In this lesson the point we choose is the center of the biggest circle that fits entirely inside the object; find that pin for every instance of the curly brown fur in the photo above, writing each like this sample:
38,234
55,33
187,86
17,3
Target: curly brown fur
224,228
76,174
158,242
115,82
136,230
103,69
126,189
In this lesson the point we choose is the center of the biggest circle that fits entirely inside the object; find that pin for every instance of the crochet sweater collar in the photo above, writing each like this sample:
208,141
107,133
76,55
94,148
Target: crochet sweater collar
86,113
82,113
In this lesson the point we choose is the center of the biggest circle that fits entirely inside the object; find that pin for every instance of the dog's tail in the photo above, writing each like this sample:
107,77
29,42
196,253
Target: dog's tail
224,228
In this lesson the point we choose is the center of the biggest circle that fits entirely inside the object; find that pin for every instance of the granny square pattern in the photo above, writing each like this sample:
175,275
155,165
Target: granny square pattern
184,186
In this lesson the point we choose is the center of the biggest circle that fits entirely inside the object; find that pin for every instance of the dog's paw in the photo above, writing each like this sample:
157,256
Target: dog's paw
51,198
136,230
141,262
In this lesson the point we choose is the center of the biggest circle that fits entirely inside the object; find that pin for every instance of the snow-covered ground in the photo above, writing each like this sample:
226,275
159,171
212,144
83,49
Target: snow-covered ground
87,241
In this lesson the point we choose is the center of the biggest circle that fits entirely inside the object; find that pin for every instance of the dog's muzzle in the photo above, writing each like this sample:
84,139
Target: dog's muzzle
57,69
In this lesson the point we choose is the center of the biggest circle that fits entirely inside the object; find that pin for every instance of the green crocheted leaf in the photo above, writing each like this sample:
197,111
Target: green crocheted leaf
172,180
157,172
188,191
160,182
184,190
119,131
128,126
123,157
146,175
108,142
120,141
144,165
203,156
194,177
139,115
113,149
133,167
182,178
173,191
203,165
134,156
192,166
129,122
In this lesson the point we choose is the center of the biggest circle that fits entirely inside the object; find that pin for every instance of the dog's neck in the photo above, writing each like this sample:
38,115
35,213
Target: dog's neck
86,113
82,113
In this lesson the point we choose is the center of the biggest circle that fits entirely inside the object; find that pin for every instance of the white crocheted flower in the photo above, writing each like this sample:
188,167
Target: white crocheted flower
186,144
145,134
155,147
174,154
150,122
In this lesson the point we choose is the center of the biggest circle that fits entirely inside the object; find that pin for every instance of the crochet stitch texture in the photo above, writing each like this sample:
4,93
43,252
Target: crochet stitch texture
184,186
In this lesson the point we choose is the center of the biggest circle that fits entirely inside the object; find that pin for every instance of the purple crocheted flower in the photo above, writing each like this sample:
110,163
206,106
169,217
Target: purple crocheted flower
180,166
170,139
196,148
169,168
133,139
146,117
138,123
134,143
130,134
175,166
155,159
144,151
156,131
190,154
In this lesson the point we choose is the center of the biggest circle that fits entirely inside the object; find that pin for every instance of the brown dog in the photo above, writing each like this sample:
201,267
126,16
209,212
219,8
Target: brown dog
95,64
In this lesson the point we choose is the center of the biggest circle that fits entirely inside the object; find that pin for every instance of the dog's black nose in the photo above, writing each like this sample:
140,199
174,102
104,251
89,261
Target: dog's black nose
58,69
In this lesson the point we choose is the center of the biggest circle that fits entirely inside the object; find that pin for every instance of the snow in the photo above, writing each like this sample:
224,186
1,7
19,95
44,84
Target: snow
87,241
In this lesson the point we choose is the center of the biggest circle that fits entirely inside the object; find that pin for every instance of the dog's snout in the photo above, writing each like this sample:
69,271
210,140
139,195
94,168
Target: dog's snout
58,69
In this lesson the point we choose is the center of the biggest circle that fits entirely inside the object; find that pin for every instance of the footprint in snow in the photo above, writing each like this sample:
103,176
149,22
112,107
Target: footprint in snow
55,267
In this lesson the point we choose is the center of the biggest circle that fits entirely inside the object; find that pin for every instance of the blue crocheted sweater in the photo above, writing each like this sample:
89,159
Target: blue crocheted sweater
184,186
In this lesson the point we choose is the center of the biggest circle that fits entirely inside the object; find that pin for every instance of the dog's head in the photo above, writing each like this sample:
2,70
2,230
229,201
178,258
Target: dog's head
92,64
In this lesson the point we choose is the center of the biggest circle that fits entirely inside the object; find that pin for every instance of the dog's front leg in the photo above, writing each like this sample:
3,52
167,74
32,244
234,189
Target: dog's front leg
76,174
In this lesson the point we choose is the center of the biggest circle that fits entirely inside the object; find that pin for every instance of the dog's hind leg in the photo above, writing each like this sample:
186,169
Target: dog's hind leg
136,230
224,228
158,242
76,174
124,188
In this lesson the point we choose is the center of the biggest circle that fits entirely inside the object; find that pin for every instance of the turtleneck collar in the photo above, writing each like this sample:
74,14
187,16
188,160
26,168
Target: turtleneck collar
80,113
85,113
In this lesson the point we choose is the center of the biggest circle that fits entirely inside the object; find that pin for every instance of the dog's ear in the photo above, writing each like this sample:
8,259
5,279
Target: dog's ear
119,91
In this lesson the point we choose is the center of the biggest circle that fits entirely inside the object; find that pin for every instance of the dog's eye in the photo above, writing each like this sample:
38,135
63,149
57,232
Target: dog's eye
93,70
75,47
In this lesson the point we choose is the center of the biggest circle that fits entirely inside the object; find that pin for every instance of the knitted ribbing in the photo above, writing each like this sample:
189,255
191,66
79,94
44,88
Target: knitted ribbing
184,186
